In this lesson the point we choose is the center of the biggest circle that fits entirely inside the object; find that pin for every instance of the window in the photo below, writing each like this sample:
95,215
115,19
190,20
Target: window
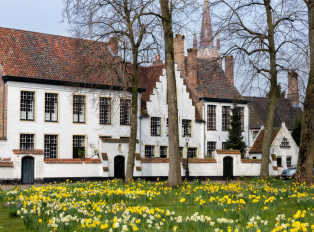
284,142
125,111
78,109
181,152
78,145
211,117
254,134
211,147
186,127
223,145
123,137
279,164
105,111
167,127
241,113
149,151
155,126
163,152
26,141
288,161
51,107
225,117
27,105
254,157
51,145
192,152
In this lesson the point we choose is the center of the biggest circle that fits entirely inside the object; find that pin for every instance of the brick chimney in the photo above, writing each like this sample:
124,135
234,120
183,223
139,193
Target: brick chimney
158,60
229,68
192,67
293,87
178,44
113,45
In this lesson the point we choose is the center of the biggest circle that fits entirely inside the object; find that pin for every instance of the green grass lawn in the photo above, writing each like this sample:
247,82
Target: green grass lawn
251,205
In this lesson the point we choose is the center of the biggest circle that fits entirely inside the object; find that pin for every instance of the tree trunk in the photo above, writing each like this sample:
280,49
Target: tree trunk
264,172
134,118
174,177
305,162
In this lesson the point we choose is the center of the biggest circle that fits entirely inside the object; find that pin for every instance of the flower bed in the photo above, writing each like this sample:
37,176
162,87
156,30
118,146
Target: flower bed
141,206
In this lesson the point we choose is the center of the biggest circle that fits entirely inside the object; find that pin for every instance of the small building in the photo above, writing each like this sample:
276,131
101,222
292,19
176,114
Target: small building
283,151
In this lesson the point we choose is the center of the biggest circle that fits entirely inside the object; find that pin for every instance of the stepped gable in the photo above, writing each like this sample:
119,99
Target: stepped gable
53,57
285,112
212,81
258,144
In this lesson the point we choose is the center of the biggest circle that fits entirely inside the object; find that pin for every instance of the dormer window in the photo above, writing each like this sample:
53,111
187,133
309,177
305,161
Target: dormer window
284,142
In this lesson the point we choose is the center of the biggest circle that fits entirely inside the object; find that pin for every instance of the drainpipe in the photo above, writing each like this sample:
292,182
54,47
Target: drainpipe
3,108
204,127
248,133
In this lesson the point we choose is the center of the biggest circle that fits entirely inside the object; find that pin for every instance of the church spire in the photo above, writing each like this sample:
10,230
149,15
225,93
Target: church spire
194,40
206,38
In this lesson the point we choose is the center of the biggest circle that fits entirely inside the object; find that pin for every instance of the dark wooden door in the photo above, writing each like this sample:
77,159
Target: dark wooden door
119,167
28,170
228,168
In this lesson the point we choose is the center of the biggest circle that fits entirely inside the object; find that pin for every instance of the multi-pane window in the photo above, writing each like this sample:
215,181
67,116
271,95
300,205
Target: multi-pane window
155,126
255,134
241,113
181,152
284,142
51,107
225,117
51,146
167,127
186,127
211,147
192,152
223,145
163,152
125,111
79,108
211,117
149,151
78,145
26,141
288,161
27,105
279,164
105,110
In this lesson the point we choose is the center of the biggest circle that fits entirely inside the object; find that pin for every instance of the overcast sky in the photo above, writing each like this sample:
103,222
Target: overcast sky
33,15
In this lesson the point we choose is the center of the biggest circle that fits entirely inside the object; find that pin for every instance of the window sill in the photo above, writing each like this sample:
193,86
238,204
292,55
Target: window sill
156,135
211,130
79,122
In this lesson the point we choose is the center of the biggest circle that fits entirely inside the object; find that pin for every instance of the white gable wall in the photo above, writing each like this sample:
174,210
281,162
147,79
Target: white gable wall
157,107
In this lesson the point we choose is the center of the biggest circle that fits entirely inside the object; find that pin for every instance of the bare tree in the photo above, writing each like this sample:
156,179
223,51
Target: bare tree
306,154
126,23
262,34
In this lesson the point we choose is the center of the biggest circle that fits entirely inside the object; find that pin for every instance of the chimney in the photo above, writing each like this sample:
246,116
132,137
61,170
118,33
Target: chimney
192,67
178,44
194,40
113,45
218,42
158,60
229,68
293,88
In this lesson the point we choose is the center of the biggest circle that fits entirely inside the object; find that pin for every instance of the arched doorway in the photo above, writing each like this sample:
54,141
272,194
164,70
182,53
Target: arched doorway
27,170
119,167
228,168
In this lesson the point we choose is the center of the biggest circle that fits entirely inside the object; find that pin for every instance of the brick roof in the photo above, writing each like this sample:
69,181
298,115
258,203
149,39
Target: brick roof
285,112
258,144
213,82
53,57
